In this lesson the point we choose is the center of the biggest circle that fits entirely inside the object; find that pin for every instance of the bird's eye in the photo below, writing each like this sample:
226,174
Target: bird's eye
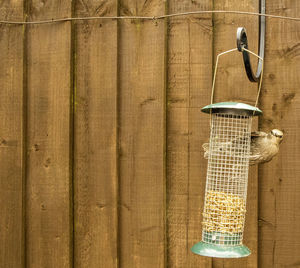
276,134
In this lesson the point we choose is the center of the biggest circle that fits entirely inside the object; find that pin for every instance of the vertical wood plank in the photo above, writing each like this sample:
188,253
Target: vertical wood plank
232,84
11,137
189,83
142,135
48,214
95,181
279,202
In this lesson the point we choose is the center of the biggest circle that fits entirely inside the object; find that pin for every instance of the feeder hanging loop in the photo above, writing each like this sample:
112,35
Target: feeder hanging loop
242,44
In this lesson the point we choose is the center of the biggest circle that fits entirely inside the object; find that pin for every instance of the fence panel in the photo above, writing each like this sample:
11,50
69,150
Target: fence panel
95,141
48,213
189,83
279,203
11,137
142,135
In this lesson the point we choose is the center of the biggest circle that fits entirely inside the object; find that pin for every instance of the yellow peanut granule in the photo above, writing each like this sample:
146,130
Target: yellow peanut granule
223,212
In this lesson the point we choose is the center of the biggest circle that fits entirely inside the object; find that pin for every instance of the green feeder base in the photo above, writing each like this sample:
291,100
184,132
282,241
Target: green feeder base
220,251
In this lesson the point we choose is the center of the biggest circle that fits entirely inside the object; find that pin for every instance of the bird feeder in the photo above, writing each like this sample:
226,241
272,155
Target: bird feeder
226,180
228,164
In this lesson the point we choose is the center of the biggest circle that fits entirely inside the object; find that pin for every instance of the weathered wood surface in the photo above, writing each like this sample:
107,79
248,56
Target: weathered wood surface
95,141
142,136
189,82
11,137
279,202
48,213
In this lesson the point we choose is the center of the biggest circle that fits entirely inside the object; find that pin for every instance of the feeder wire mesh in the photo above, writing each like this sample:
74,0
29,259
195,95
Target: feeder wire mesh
227,178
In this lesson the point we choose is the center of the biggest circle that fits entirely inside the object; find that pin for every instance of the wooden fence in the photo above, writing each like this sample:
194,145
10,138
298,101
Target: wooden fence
101,162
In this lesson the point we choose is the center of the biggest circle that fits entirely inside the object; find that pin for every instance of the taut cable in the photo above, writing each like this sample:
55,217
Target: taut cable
150,17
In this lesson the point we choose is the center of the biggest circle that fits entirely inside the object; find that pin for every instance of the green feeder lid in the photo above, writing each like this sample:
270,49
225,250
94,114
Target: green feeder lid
232,108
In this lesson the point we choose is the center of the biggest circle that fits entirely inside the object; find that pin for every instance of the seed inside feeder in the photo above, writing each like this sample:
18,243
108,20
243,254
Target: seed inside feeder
224,212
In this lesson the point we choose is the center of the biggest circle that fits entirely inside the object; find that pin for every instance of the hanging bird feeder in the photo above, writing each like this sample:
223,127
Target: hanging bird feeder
226,181
227,172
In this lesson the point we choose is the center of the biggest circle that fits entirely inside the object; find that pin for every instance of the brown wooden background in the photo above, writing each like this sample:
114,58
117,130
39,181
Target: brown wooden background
101,131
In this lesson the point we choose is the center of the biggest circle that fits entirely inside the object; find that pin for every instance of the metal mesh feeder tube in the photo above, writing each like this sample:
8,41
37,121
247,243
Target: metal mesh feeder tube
228,154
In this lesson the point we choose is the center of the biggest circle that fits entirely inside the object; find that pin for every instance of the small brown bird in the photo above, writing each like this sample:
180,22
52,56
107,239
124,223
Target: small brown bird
263,146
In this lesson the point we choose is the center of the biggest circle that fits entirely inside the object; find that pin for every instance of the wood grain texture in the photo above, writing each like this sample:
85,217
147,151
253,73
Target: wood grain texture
232,84
11,138
279,202
95,168
189,82
48,224
142,136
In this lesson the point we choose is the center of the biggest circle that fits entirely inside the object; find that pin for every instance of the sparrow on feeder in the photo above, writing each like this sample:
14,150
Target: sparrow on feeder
264,146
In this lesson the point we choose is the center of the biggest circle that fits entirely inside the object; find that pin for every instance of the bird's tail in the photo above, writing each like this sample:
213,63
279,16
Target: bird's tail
205,146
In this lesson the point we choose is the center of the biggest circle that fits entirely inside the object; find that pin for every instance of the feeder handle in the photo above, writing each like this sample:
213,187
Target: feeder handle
216,67
215,72
242,45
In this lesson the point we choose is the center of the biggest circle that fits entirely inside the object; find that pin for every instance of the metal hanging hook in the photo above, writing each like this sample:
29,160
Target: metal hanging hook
242,43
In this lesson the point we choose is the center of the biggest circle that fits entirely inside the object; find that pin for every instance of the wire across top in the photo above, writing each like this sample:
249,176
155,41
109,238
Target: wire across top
150,17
